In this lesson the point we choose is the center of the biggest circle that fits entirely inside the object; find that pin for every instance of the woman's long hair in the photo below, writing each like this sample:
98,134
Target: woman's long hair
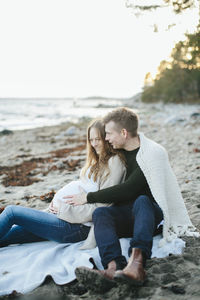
98,163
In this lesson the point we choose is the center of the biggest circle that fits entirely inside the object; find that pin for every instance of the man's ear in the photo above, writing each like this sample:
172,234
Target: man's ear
124,132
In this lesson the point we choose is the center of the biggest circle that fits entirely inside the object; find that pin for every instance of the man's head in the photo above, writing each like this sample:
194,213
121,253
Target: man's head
121,125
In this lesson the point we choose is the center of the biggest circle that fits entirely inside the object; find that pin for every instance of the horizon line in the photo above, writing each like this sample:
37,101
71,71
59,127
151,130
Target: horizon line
67,98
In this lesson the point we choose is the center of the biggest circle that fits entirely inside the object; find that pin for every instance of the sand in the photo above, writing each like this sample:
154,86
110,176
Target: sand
35,163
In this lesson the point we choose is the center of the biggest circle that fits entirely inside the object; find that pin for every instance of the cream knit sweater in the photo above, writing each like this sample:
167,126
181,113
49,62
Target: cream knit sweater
83,213
154,163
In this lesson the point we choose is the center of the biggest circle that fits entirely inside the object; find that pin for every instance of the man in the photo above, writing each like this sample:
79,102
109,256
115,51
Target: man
149,194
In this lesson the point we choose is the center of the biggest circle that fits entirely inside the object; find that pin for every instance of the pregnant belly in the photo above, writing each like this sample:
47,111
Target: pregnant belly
73,188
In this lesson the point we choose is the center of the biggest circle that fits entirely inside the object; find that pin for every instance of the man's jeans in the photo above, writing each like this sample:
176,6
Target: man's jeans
138,220
25,225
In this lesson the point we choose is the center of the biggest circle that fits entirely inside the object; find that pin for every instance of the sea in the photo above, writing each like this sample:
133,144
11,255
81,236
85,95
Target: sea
27,113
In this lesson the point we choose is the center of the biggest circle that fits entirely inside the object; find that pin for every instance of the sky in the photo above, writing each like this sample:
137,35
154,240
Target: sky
81,48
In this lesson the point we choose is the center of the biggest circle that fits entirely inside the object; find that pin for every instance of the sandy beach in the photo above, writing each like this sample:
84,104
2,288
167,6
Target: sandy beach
35,163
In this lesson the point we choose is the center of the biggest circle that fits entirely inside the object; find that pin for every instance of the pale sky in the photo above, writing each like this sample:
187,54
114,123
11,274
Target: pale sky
80,48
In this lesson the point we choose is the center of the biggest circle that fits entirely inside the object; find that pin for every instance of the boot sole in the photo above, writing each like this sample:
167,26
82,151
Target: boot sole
94,281
122,278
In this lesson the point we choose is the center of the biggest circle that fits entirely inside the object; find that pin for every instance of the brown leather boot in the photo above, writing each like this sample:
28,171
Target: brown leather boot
110,271
134,272
97,280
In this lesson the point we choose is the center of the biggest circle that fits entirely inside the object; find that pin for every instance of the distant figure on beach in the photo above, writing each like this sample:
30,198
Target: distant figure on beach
63,222
149,197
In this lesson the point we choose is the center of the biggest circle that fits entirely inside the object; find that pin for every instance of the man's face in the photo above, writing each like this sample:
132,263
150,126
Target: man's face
114,136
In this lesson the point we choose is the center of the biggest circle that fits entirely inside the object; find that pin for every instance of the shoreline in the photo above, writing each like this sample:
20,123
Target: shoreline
101,106
19,114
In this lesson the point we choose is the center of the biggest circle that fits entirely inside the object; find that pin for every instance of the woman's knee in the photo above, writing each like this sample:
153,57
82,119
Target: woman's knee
9,209
13,210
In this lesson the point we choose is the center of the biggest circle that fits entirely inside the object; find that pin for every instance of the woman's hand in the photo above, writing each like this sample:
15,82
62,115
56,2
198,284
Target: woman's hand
53,209
77,199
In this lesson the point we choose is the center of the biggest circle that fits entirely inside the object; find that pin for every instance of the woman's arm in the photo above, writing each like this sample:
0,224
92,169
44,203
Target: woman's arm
116,176
78,213
117,173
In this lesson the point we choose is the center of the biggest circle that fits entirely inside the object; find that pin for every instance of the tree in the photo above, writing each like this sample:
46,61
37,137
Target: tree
148,80
178,80
178,6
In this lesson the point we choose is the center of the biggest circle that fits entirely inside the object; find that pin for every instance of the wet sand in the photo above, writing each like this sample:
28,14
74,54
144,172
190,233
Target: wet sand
35,163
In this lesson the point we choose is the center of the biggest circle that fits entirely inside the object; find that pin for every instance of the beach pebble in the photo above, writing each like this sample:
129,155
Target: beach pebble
60,165
27,194
71,131
173,120
6,132
7,192
195,115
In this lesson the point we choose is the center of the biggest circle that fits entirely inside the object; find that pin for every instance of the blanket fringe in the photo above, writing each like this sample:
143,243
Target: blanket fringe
179,231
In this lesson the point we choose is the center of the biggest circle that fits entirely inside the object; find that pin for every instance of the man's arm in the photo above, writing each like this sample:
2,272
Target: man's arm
134,186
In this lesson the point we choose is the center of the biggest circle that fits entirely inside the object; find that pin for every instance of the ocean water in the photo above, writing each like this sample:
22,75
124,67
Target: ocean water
19,114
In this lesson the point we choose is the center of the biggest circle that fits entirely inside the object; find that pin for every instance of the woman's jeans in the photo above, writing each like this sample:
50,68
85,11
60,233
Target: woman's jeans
138,220
25,225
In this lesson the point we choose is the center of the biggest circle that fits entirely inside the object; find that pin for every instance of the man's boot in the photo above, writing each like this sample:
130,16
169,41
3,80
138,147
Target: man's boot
97,280
134,272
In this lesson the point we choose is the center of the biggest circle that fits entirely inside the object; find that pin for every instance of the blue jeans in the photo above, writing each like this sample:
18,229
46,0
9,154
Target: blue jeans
25,225
138,220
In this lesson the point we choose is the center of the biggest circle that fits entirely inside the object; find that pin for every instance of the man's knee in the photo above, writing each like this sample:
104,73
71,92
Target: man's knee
99,213
142,201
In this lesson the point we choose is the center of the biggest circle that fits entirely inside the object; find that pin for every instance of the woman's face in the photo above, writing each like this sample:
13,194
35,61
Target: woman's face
95,140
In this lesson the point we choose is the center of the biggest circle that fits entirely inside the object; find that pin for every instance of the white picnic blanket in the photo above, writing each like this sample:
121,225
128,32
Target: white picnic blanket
24,267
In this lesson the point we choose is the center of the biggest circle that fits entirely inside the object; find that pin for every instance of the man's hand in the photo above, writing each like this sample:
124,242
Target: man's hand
77,199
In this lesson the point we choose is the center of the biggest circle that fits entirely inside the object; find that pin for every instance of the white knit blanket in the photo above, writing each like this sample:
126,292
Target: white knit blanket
25,267
154,163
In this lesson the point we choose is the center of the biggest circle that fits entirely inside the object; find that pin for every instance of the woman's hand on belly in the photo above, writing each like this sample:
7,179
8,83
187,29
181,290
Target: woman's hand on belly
53,209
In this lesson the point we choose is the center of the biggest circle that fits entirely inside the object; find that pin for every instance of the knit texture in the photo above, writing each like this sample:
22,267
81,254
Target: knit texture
83,213
154,163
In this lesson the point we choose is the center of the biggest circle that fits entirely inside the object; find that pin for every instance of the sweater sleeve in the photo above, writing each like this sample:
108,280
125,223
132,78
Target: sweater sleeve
117,173
134,186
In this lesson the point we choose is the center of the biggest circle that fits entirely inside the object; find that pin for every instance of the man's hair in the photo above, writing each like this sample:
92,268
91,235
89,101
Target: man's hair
125,118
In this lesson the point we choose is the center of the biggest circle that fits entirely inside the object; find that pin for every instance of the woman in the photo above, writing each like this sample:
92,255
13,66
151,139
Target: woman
103,168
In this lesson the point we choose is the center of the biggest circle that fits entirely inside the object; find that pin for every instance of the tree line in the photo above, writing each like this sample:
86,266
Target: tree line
178,79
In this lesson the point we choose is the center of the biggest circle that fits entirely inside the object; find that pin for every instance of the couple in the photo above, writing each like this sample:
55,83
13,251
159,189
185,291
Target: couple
127,189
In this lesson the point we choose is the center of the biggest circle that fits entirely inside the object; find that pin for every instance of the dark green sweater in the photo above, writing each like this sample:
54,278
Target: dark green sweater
135,185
